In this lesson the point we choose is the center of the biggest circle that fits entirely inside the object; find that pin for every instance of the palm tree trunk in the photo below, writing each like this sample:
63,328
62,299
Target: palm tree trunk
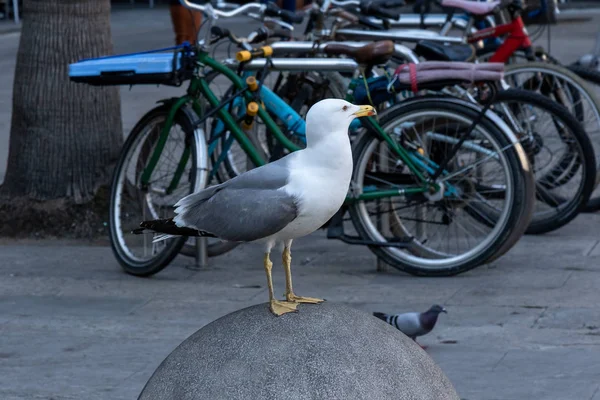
65,137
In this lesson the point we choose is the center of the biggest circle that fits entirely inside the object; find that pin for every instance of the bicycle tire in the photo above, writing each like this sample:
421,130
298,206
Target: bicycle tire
515,210
593,76
573,71
126,259
214,248
589,74
585,151
587,95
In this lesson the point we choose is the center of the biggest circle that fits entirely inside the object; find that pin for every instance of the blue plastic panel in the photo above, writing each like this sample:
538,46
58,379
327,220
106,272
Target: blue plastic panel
152,63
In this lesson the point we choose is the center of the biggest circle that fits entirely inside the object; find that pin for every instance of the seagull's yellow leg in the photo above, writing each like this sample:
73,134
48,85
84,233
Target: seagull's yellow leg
289,292
277,307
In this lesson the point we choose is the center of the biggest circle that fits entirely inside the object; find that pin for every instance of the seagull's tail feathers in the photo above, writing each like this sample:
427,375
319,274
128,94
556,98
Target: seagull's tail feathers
189,204
168,229
195,198
382,316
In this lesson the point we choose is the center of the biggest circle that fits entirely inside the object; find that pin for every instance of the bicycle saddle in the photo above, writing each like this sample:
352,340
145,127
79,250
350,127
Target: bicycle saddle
470,6
371,54
433,51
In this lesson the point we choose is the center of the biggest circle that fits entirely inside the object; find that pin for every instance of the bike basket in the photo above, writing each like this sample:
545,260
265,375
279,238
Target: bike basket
539,12
152,67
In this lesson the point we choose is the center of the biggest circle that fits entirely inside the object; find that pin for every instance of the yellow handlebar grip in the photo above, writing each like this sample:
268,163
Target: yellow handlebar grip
252,83
252,109
267,51
243,55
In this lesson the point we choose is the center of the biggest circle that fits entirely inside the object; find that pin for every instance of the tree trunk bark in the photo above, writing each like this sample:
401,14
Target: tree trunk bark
65,136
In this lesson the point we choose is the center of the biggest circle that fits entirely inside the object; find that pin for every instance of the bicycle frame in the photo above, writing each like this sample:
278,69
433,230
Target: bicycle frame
199,86
517,38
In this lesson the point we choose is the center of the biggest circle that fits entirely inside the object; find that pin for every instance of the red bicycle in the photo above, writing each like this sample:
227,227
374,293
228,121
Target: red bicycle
546,76
541,72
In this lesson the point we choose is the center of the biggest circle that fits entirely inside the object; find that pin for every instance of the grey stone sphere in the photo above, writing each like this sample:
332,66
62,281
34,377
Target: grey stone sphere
325,351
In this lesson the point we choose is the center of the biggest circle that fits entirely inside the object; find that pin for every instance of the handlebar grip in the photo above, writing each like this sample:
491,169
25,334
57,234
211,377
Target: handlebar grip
220,32
373,9
276,33
348,16
273,10
291,17
245,55
366,22
391,3
251,111
380,12
252,84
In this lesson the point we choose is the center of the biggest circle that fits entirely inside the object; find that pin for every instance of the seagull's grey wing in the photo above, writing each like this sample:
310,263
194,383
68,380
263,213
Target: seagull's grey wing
408,323
269,176
249,207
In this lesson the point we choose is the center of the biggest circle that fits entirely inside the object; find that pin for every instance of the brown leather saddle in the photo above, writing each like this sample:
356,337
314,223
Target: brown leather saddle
375,53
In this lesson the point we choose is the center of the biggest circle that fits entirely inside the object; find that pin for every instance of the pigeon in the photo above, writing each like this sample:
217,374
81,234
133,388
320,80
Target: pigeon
413,324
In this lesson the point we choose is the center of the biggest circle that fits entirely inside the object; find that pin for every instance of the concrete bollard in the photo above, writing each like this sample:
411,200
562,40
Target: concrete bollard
326,351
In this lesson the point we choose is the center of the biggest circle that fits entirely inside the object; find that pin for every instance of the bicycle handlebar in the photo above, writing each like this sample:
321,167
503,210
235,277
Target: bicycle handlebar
273,10
345,3
373,8
257,36
224,14
270,9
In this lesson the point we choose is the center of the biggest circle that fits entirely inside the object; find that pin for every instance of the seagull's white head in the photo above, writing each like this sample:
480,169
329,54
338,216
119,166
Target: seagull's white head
331,116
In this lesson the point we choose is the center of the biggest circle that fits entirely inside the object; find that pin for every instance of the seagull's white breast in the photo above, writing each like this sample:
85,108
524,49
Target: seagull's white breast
319,179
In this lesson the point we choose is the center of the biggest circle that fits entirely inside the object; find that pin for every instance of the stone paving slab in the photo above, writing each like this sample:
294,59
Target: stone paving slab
513,331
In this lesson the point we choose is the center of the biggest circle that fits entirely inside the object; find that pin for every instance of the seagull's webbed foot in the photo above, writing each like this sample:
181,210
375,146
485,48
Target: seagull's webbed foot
283,307
291,297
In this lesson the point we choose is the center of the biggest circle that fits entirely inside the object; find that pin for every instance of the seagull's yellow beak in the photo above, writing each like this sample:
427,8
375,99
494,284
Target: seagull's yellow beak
365,111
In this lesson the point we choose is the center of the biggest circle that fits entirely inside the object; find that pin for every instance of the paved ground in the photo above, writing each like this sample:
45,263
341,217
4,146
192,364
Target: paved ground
73,326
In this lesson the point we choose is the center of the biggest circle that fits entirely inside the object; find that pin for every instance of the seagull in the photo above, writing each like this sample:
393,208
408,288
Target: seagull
413,324
277,202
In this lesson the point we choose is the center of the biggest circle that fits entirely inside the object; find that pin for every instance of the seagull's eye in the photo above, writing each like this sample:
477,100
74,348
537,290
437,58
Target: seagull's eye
345,108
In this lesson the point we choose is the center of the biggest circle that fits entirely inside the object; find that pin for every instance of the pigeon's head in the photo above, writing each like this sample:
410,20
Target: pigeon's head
437,309
333,116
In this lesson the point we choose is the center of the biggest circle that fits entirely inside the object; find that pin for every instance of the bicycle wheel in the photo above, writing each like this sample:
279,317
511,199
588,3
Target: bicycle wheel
559,151
569,90
592,76
589,74
215,247
486,177
130,203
